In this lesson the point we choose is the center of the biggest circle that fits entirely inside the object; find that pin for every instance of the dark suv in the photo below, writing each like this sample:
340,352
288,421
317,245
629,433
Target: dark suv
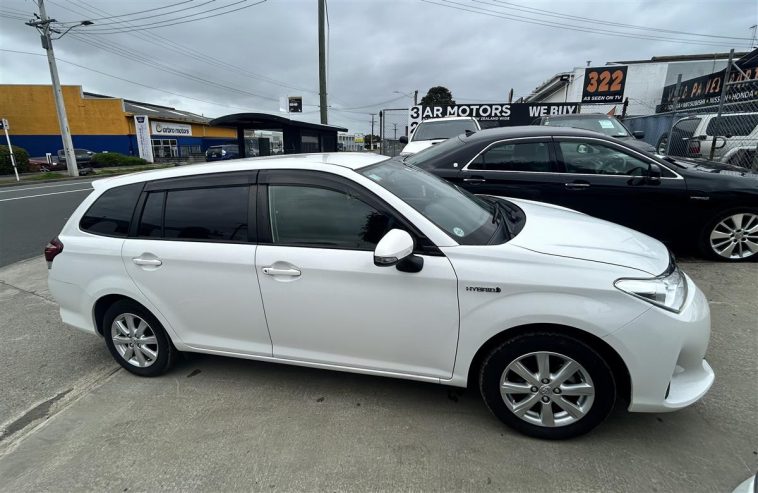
222,152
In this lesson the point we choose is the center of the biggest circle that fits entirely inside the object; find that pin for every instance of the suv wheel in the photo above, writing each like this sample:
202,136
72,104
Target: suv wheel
137,340
547,385
732,236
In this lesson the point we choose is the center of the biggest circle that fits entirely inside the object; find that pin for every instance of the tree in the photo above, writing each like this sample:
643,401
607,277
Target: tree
438,96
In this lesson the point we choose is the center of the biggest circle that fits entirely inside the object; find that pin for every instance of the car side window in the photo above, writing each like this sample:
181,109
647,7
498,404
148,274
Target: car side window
198,214
111,213
320,217
593,158
524,156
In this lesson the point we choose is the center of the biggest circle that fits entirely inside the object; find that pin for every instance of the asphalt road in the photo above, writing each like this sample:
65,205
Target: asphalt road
31,215
70,420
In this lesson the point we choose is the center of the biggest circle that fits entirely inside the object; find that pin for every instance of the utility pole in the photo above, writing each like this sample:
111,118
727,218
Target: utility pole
321,60
394,125
371,147
415,97
47,44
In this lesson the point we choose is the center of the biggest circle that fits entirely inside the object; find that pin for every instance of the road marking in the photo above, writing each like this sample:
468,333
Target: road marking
16,189
46,194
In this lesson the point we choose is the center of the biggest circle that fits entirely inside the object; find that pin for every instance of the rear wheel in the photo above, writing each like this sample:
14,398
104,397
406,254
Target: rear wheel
732,236
547,385
137,340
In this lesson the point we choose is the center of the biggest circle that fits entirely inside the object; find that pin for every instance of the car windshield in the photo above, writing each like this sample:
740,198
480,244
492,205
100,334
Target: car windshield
443,129
602,124
432,152
466,218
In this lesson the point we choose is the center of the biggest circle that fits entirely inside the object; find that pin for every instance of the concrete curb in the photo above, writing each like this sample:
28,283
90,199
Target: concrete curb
58,180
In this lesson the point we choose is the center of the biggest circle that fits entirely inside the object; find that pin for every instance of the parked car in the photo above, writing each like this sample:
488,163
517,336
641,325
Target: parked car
222,152
707,205
598,122
83,156
736,138
435,130
367,265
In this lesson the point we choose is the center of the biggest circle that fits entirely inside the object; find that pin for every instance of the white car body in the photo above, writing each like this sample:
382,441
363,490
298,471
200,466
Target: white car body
345,313
414,145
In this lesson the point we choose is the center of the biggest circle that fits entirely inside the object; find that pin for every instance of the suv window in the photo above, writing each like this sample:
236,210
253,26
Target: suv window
320,217
111,213
214,214
598,159
526,156
733,125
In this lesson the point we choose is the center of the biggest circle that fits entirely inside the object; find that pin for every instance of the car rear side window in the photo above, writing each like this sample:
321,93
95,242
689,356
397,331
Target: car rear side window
319,217
212,214
111,213
732,125
526,156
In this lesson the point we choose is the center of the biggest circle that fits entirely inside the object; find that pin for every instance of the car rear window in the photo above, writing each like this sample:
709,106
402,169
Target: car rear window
111,213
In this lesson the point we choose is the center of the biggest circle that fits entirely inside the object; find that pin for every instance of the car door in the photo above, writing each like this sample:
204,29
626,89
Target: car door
611,181
191,252
521,168
327,302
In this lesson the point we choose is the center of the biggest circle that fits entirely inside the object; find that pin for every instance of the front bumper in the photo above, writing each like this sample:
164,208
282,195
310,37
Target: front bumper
664,353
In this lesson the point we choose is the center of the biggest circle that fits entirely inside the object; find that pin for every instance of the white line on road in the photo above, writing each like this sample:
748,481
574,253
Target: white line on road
45,194
16,189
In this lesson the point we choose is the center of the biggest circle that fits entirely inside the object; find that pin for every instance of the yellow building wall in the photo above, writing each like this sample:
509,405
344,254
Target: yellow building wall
30,110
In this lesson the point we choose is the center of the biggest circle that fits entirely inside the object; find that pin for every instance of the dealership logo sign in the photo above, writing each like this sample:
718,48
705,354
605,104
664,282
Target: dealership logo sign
166,128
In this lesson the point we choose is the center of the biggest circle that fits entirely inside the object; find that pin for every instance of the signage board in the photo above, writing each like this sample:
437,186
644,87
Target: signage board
142,131
358,138
706,89
491,115
295,104
604,84
169,128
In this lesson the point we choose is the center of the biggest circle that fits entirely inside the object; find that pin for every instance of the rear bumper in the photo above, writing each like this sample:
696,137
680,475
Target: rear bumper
665,355
73,305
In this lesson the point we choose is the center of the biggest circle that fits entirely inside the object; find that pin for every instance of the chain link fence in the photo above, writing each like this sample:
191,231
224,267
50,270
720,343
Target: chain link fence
393,124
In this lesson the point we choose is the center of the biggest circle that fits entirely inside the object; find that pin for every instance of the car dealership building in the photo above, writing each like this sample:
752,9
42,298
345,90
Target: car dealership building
103,123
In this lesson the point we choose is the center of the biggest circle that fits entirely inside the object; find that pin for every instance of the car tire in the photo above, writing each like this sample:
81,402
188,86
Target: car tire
547,403
137,340
736,228
661,146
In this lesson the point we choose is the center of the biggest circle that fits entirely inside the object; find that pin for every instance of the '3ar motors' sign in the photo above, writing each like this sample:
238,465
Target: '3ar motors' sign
604,84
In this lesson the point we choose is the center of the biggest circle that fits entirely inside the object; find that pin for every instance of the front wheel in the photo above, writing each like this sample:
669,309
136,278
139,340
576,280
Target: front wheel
547,385
732,236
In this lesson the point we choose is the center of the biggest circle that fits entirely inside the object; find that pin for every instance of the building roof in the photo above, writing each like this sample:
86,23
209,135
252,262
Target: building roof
265,121
551,85
681,58
155,111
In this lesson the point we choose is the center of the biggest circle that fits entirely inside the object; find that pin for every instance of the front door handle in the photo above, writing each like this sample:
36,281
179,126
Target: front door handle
475,179
273,271
577,185
151,262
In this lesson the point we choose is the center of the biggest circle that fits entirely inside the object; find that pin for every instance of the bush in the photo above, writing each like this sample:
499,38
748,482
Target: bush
103,159
22,160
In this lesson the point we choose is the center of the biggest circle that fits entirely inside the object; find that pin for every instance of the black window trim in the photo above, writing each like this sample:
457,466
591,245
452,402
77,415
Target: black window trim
609,143
336,183
205,181
131,221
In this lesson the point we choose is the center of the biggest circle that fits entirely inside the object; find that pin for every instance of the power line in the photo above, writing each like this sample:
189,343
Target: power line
148,10
170,22
500,14
559,15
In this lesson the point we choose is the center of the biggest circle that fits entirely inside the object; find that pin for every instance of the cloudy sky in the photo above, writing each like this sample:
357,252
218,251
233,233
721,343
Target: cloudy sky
247,60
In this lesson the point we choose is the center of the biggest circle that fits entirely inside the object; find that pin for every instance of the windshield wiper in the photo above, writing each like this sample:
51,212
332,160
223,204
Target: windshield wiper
502,215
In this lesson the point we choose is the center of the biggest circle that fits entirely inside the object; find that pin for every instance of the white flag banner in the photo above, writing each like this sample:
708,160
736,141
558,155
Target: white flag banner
144,144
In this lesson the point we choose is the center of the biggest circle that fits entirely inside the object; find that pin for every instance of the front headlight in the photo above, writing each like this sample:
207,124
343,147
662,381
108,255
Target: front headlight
668,291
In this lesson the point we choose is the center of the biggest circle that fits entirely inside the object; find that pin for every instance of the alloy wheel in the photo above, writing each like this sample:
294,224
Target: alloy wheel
134,340
547,389
736,236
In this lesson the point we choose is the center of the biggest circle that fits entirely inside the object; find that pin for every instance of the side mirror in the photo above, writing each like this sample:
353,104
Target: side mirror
403,139
654,173
396,248
638,134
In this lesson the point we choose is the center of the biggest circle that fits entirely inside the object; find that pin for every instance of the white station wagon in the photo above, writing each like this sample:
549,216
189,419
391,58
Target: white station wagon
355,262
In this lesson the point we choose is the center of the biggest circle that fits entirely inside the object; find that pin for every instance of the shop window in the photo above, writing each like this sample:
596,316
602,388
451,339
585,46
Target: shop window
165,148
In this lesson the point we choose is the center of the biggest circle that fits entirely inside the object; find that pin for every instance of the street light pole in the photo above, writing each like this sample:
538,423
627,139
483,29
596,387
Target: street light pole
47,44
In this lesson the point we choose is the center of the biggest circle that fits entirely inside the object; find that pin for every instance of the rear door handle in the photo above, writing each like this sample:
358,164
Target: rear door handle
577,185
152,262
477,179
273,271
